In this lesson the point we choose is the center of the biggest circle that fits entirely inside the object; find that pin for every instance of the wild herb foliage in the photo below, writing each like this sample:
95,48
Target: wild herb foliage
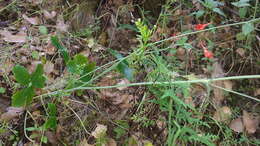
30,82
182,122
79,66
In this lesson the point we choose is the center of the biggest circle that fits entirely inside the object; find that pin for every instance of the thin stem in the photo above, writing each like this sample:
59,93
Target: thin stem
150,83
24,128
195,32
241,94
81,122
256,6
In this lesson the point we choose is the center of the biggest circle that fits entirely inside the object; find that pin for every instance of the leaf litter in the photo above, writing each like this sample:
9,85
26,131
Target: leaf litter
116,103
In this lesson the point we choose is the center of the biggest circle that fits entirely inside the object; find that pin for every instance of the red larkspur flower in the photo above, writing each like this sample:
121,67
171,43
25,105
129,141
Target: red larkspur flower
208,54
201,26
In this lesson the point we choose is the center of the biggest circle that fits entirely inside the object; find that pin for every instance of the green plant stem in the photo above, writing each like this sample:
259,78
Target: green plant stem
81,122
206,81
168,83
24,128
241,94
9,5
195,32
256,6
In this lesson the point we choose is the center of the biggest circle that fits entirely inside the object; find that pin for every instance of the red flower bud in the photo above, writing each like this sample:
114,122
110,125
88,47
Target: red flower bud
208,54
201,26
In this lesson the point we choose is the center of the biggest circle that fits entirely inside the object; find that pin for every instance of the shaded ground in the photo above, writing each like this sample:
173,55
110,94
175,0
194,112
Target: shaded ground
158,111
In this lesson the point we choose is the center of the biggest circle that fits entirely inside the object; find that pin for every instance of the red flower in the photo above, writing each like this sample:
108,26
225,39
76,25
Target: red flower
201,26
208,53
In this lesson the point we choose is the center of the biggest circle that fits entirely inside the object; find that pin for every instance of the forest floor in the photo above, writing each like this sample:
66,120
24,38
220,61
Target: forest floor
129,72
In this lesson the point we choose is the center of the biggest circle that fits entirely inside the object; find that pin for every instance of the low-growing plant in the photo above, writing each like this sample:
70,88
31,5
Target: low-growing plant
29,82
50,124
79,66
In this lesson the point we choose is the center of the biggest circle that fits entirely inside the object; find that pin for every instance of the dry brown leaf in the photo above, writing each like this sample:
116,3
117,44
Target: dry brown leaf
60,25
228,84
51,137
100,131
218,93
123,82
49,15
36,2
12,112
189,101
49,48
84,142
6,66
257,92
48,67
241,52
31,20
237,125
249,122
223,114
111,142
181,53
18,38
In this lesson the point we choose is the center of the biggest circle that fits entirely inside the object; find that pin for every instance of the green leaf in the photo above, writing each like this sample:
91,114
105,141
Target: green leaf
63,50
50,123
123,65
72,66
247,28
23,97
37,77
80,59
121,130
241,3
52,118
43,29
52,109
35,55
199,13
220,12
2,90
240,36
242,12
87,69
21,75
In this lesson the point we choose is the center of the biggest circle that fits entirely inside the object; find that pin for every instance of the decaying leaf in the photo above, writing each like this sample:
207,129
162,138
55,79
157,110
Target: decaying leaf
49,15
49,48
31,20
237,125
218,93
12,112
181,53
117,96
61,26
51,137
84,142
249,122
123,82
6,67
17,38
111,142
241,52
100,131
48,67
257,92
223,114
228,84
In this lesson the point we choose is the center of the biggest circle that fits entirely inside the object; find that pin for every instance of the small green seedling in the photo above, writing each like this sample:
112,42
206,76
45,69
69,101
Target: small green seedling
123,66
78,65
30,82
